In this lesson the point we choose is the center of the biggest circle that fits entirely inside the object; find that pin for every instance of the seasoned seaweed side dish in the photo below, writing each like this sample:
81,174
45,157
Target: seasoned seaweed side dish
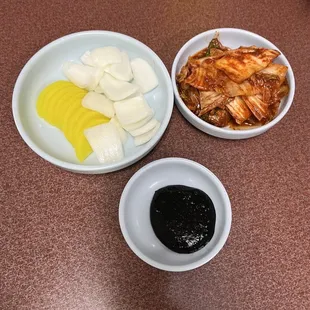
183,218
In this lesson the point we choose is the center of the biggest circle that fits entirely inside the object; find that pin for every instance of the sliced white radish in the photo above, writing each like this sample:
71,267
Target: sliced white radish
131,110
144,75
98,90
86,59
146,137
122,133
105,141
102,56
121,71
82,76
116,90
98,102
135,94
145,128
139,124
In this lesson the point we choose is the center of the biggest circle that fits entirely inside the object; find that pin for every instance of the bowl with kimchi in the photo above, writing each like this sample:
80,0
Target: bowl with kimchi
232,83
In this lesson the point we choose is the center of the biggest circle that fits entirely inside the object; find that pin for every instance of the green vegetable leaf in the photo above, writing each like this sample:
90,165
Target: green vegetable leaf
214,43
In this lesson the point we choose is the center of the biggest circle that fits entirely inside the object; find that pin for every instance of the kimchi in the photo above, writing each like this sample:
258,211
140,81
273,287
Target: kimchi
233,87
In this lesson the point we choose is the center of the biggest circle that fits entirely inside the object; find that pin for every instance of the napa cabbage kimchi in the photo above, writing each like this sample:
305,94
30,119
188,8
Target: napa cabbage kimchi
233,87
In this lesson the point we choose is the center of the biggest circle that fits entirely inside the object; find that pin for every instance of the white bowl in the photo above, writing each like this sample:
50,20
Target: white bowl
233,38
134,212
45,67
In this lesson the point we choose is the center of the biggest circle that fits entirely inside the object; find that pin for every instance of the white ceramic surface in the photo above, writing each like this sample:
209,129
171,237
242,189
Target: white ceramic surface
46,67
233,38
134,212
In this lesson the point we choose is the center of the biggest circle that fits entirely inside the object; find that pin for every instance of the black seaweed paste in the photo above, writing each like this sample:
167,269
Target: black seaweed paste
183,218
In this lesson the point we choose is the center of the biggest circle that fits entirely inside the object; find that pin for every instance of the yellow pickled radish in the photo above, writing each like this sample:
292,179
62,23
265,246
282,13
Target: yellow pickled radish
57,98
69,121
83,149
63,106
58,102
61,98
47,93
60,105
86,120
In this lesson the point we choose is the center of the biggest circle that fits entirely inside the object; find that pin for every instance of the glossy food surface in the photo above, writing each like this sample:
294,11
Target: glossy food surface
183,218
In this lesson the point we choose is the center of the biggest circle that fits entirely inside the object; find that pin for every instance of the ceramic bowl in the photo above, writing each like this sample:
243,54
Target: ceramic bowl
45,67
232,38
134,212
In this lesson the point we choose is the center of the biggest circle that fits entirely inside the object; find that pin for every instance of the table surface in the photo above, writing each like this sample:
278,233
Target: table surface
60,242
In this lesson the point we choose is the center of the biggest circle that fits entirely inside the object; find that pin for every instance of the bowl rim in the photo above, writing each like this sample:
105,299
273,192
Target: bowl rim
98,168
241,133
222,238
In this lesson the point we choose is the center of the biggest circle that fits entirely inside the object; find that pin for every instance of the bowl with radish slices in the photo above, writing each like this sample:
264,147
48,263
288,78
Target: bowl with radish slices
93,101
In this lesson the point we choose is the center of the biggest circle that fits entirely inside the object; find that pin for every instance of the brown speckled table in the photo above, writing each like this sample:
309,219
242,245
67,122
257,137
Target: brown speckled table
60,241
